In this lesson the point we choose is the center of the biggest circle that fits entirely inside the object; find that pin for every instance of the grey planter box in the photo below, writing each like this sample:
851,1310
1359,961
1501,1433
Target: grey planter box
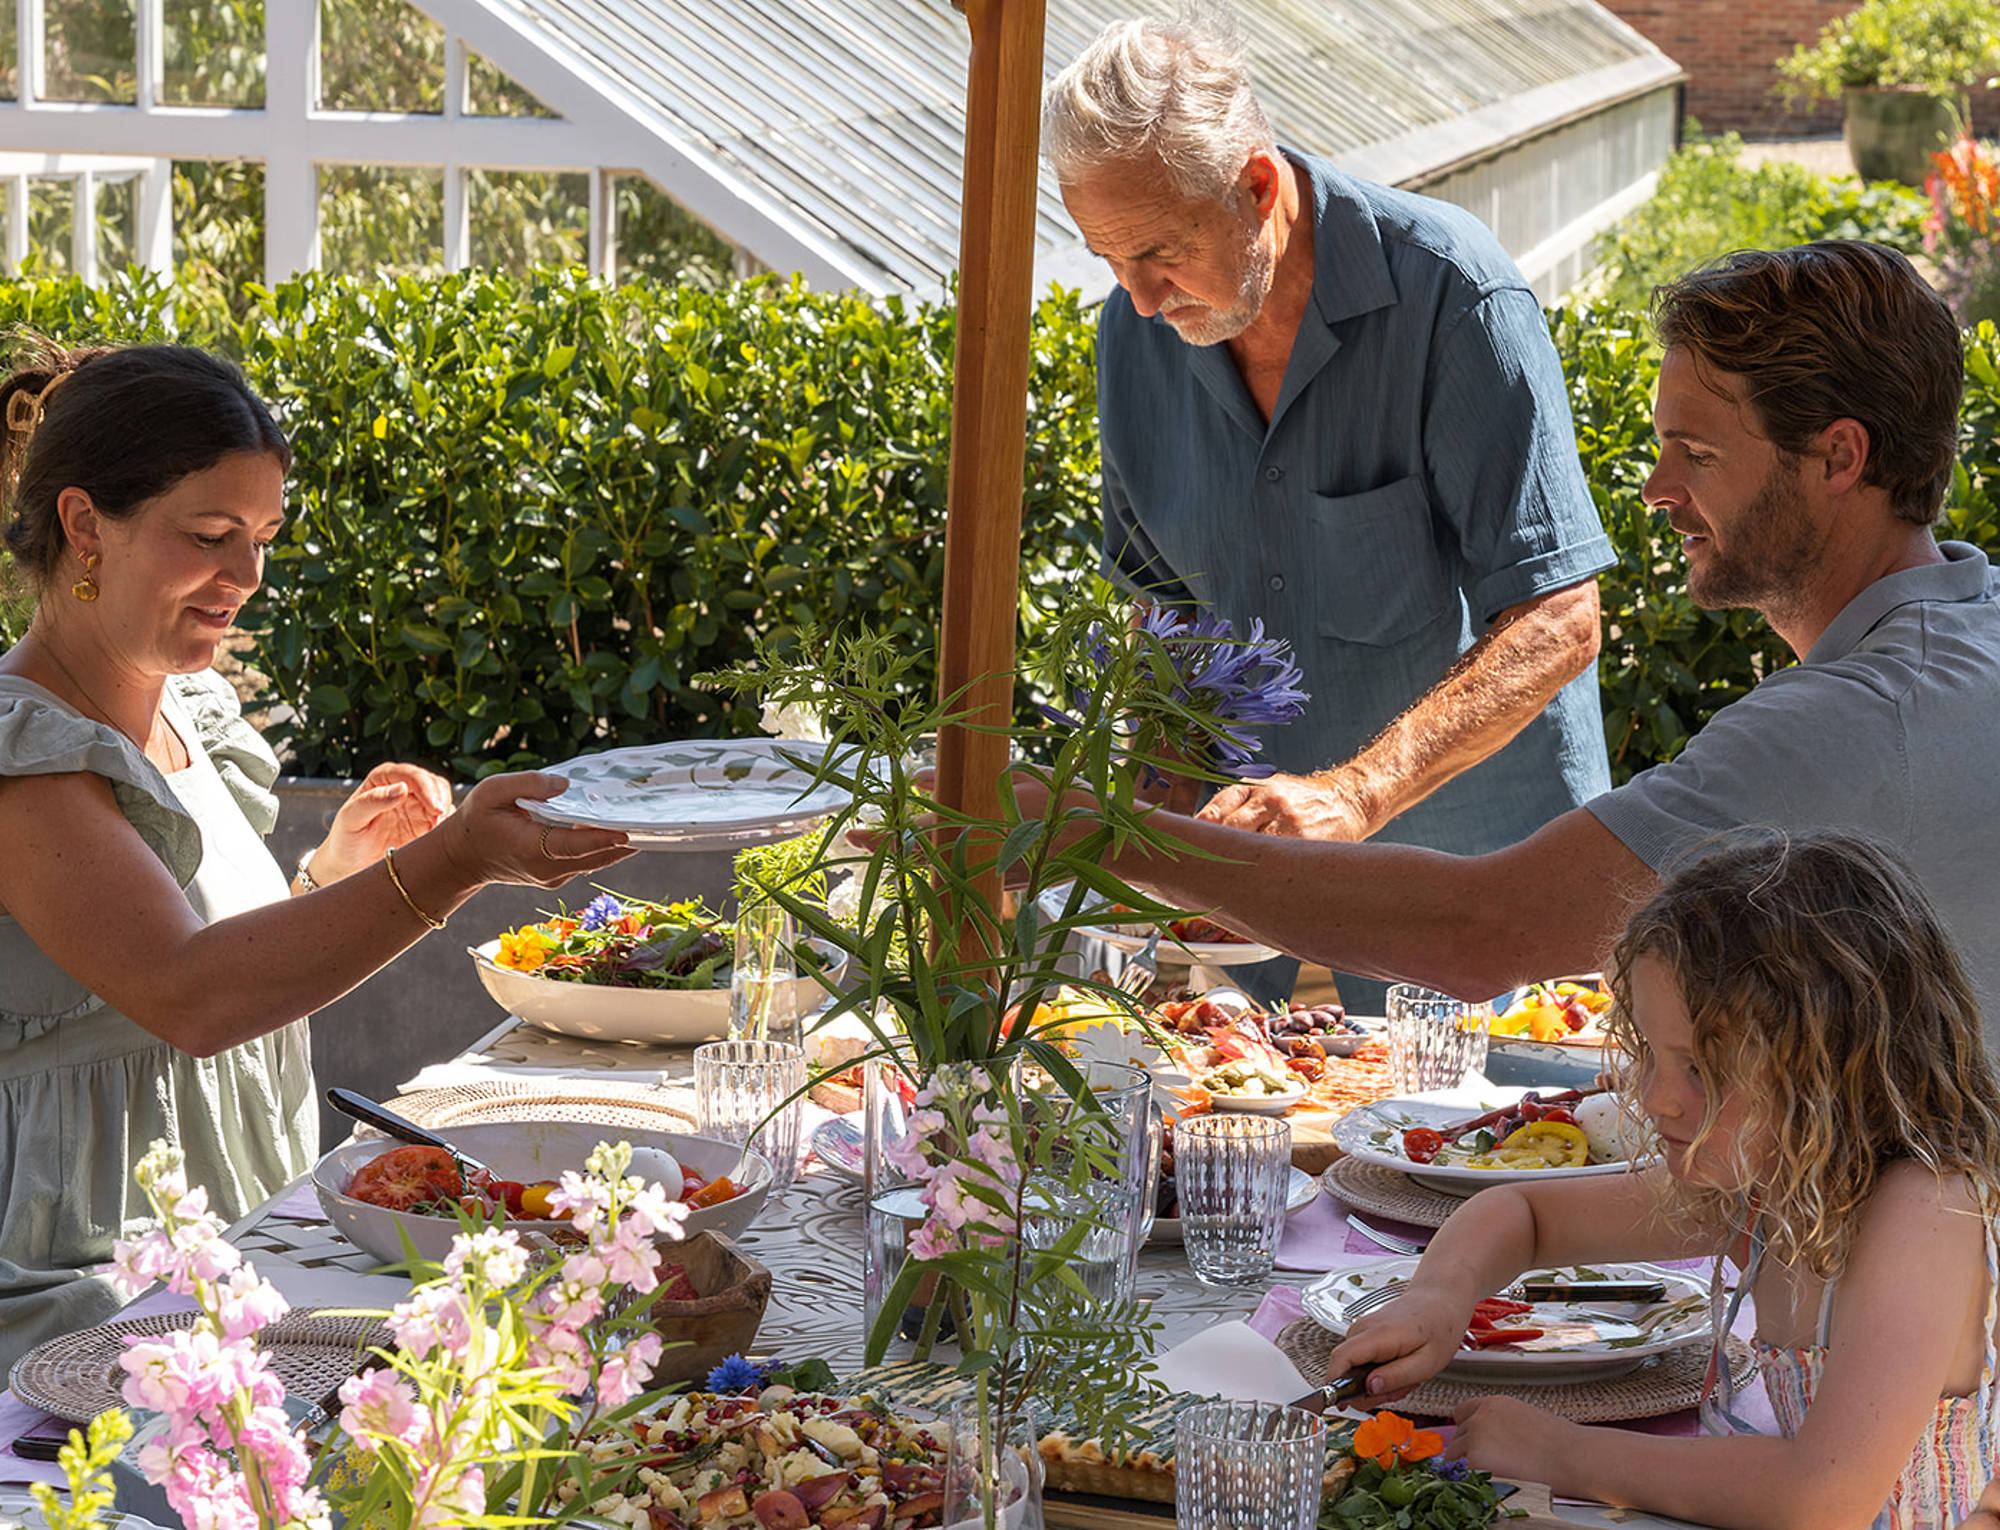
428,1005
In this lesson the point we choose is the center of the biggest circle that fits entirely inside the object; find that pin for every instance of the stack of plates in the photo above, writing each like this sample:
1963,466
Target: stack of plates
699,794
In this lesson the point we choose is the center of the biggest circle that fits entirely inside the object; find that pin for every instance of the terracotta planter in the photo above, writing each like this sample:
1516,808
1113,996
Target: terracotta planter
1891,133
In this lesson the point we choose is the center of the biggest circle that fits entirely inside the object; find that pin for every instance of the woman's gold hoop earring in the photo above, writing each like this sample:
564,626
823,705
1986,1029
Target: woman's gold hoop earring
86,587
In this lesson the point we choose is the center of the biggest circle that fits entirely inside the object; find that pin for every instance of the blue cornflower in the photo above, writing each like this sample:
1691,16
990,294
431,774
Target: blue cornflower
600,911
735,1375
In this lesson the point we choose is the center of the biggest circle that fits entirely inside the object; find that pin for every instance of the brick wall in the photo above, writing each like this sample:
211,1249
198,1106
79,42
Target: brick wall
1727,48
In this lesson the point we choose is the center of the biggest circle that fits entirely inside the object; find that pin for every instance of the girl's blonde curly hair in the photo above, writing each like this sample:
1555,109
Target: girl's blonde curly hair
1824,990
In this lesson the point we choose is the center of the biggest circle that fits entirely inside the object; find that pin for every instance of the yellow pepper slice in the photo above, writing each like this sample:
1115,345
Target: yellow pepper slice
1558,1144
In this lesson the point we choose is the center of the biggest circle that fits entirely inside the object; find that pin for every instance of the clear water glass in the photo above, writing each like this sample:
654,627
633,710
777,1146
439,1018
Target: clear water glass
752,1093
763,993
1232,1172
1248,1466
1435,1041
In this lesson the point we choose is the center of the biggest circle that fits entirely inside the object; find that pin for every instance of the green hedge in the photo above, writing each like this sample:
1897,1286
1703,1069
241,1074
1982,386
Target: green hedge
527,512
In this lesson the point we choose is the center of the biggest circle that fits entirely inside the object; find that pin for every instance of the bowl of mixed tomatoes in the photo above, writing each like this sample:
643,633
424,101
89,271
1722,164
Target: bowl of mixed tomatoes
377,1192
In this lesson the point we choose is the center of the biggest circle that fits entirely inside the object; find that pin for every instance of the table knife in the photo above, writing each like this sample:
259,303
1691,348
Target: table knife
1343,1392
1573,1292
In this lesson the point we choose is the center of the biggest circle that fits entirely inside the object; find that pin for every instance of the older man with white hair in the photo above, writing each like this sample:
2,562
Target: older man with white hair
1335,407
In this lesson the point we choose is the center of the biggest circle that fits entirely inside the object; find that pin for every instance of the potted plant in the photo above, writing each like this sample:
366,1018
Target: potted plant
1902,69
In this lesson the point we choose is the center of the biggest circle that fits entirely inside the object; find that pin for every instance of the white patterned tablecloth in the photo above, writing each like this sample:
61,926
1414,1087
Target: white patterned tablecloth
810,1236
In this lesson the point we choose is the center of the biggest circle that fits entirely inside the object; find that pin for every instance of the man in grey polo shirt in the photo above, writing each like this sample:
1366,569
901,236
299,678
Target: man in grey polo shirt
1808,423
1335,408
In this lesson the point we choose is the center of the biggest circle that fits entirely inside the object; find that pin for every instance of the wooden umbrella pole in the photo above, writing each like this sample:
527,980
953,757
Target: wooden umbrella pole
989,414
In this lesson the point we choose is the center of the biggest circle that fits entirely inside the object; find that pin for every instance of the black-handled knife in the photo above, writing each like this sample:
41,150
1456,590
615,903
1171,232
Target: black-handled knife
1572,1292
382,1118
1341,1392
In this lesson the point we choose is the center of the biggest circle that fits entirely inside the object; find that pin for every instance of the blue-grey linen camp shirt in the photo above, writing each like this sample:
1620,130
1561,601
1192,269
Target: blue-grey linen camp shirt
1888,728
1418,476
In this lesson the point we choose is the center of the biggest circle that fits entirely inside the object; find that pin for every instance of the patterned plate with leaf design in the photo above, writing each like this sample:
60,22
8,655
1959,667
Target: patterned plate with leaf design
699,793
1579,1340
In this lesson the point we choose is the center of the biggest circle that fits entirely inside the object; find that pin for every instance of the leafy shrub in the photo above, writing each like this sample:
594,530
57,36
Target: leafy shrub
1709,203
1943,46
527,511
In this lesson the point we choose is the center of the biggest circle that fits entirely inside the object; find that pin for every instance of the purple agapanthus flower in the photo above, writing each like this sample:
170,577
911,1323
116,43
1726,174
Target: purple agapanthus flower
1243,683
735,1375
600,911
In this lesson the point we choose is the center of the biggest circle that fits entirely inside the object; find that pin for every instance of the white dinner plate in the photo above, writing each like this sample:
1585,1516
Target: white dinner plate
1374,1134
698,793
1300,1192
1577,1344
1257,1104
1133,937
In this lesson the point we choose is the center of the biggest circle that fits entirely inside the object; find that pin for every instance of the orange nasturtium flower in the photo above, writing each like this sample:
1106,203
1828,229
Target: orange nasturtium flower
523,950
1389,1437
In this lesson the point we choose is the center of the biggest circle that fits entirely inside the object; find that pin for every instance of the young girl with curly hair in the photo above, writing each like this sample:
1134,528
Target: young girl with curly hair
1802,1037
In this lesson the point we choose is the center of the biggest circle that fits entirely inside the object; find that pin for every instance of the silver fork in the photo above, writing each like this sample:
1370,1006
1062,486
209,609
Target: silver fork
1140,968
1381,1296
1389,1241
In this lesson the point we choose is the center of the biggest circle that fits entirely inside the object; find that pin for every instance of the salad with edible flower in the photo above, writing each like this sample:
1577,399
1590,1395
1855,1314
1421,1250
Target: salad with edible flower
624,943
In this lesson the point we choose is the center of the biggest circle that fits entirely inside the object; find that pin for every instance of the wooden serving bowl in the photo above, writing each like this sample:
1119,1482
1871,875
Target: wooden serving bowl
723,1320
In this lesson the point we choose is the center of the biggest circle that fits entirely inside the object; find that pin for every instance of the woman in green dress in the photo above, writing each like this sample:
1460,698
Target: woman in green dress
155,965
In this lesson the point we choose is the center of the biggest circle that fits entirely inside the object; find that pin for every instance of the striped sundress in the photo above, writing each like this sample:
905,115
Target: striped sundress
1951,1464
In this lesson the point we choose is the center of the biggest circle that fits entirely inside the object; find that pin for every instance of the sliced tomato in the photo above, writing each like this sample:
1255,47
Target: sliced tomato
1421,1144
405,1177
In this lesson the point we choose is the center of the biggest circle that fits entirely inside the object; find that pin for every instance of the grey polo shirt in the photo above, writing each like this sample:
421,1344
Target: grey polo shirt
1418,475
1889,728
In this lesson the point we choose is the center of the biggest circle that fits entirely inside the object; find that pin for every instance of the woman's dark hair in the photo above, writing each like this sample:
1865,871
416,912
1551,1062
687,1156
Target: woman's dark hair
124,424
1834,330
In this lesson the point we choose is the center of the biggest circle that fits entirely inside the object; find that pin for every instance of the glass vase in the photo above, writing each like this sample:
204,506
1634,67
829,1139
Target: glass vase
1092,1165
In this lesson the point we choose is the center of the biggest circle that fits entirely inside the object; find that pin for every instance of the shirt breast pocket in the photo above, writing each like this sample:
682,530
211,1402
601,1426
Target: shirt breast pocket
1380,575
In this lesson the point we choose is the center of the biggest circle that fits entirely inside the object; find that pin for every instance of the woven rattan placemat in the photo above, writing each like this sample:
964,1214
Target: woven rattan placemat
1659,1384
640,1107
77,1375
1370,1187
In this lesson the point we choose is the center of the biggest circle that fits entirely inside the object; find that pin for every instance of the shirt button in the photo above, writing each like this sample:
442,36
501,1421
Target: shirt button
1273,474
1277,581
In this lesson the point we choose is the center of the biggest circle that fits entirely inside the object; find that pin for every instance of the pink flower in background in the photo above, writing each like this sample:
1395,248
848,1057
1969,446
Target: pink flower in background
628,1256
625,1374
933,1241
380,1404
245,1304
655,1215
585,1199
494,1257
433,1318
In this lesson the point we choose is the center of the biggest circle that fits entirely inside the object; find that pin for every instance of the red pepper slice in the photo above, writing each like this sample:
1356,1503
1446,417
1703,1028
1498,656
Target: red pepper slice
1492,1338
1500,1306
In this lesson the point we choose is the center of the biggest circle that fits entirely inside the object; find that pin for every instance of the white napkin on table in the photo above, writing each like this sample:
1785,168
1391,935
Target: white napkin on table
1232,1360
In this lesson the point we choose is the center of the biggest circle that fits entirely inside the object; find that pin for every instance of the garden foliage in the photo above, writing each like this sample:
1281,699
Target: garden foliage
527,511
1709,202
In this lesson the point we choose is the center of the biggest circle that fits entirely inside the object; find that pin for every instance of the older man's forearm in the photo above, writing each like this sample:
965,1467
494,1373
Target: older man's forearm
1497,687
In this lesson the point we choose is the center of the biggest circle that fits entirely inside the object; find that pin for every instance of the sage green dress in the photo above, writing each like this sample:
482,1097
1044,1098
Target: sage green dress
83,1090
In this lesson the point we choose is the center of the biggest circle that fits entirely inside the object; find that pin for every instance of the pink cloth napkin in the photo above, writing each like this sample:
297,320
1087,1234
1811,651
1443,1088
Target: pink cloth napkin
1317,1238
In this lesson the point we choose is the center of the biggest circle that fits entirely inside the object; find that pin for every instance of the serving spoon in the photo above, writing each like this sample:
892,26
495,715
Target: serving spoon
382,1118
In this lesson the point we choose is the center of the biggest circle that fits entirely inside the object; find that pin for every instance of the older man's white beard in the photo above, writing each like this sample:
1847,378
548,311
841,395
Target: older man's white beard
1209,326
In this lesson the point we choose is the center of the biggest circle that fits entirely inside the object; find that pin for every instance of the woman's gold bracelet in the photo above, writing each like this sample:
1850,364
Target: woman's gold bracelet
389,860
